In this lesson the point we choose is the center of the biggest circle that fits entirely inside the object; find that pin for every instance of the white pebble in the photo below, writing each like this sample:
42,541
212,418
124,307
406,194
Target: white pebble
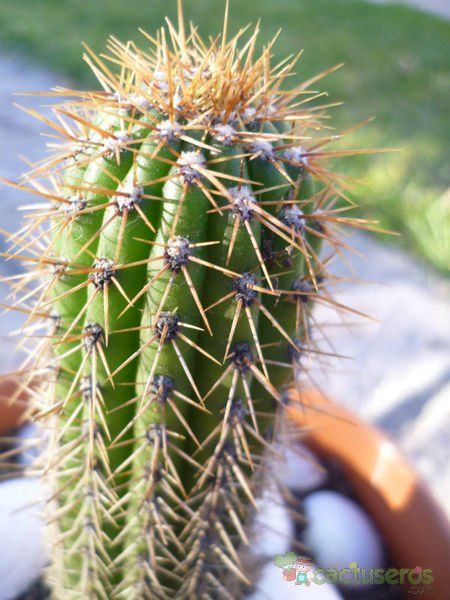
339,532
30,440
22,550
298,469
273,526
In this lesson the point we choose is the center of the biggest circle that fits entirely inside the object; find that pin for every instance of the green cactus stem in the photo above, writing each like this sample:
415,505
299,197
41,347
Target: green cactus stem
175,259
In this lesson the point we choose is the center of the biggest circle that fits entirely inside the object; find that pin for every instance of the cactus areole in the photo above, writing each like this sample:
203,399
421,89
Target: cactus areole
175,256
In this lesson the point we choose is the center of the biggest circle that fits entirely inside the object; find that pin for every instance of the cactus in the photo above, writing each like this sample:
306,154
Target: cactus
174,255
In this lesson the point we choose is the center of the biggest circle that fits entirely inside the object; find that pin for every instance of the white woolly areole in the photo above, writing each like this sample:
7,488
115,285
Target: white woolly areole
104,272
243,201
225,134
293,217
78,146
117,141
105,264
296,154
177,99
76,203
134,196
119,98
140,102
160,80
229,116
168,130
60,267
249,113
190,165
270,110
262,147
177,245
191,72
177,252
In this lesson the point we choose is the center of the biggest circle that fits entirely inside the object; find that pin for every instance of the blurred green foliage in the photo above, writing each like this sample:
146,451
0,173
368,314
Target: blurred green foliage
397,68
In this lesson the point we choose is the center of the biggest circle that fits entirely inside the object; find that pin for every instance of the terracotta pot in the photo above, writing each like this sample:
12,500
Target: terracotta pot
13,405
415,529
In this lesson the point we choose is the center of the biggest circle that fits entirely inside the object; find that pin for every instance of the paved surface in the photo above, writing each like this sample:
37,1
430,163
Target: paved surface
19,136
440,7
